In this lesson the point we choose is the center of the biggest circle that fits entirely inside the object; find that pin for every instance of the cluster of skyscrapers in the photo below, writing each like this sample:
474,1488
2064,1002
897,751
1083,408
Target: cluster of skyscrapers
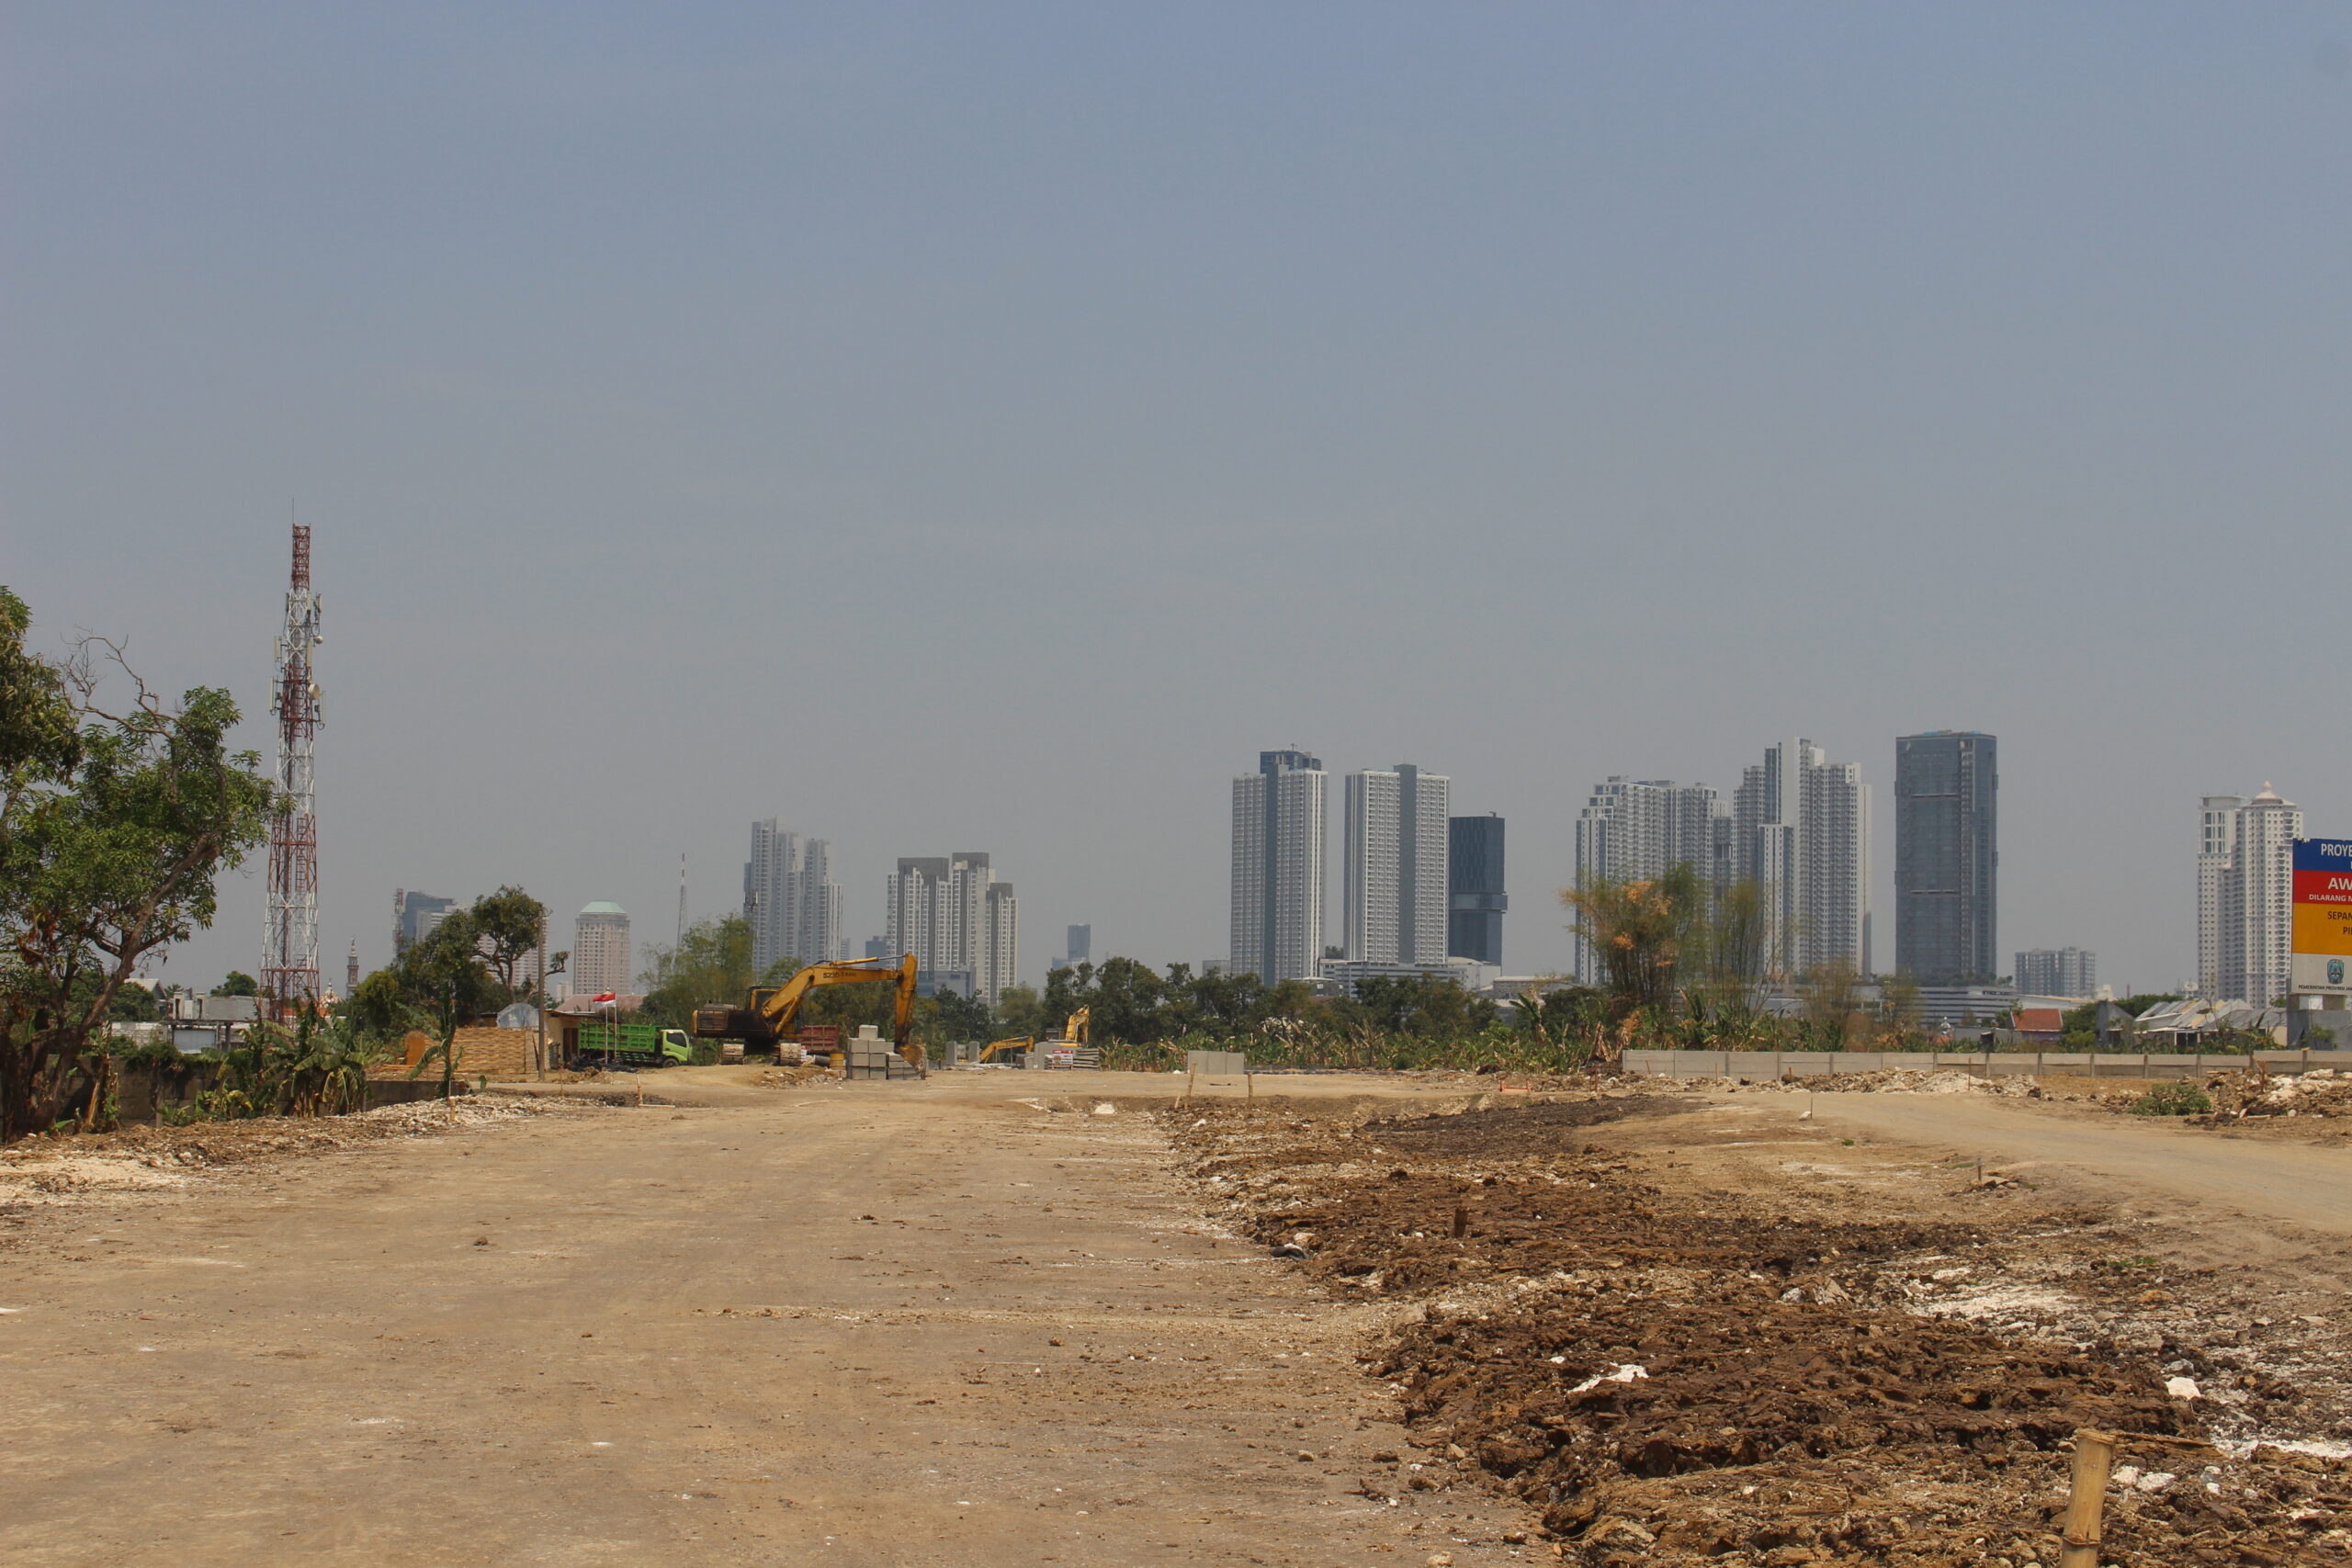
1423,890
790,899
1797,829
1409,900
961,925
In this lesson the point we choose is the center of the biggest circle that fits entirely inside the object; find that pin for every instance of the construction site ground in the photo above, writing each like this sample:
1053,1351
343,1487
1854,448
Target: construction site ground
1016,1317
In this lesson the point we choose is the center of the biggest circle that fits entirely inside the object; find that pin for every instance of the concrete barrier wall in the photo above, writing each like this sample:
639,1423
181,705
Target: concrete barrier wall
140,1090
1216,1063
1767,1066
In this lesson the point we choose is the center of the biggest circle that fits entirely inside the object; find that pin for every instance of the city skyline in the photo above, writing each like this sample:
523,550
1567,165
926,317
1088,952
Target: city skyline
420,911
1227,367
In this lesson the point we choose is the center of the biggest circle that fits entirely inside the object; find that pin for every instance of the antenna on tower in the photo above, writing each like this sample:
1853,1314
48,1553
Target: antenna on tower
289,962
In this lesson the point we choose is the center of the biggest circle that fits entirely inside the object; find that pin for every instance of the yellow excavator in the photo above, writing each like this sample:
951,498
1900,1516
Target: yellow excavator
1074,1031
770,1013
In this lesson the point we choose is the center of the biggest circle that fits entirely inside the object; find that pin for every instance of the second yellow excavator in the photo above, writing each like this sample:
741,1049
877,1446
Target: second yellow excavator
770,1013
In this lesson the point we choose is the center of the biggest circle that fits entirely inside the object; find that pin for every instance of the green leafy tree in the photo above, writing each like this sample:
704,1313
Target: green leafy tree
113,828
945,1017
1125,1002
846,1008
445,975
1229,1004
238,984
1421,1007
709,966
1020,1009
136,1004
508,925
1067,988
380,1007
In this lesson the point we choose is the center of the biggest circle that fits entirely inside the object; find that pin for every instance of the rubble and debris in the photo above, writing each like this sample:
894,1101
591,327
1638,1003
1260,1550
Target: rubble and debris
1665,1378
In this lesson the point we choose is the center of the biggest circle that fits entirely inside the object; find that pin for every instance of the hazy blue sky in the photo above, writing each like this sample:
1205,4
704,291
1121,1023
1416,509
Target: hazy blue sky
988,426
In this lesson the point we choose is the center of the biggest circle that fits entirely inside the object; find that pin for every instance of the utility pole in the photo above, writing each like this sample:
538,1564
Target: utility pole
539,1051
680,940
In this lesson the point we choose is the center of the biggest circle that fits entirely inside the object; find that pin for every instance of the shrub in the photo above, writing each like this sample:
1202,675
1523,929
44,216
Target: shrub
2171,1099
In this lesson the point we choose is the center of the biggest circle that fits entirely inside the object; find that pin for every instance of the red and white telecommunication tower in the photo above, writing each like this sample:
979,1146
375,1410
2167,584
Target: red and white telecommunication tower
289,964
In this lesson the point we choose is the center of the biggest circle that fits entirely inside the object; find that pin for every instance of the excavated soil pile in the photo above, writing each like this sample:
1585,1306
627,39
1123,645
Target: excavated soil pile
1670,1380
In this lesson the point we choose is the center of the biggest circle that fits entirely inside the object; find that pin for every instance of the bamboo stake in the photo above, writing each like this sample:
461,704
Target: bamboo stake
2094,1459
1189,1069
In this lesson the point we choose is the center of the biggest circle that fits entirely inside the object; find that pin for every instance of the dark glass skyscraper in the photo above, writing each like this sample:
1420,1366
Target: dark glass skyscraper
1947,857
1475,890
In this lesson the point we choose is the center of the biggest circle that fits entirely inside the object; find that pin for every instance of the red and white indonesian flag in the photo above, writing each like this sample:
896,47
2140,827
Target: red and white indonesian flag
606,996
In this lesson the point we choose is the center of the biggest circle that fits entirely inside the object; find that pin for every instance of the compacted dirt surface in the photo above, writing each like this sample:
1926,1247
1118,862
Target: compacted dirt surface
965,1320
1018,1318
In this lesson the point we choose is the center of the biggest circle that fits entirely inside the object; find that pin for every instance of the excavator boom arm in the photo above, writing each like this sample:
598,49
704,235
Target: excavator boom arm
781,1008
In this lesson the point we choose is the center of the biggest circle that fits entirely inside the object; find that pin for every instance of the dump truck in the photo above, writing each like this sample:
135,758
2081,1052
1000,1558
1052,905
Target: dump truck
592,1044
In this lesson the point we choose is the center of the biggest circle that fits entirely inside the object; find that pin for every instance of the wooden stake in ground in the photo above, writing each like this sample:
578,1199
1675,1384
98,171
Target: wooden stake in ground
1249,1086
1189,1069
1461,1221
2094,1459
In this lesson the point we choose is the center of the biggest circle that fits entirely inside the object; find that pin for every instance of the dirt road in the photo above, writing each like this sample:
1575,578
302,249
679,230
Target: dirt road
872,1323
2302,1185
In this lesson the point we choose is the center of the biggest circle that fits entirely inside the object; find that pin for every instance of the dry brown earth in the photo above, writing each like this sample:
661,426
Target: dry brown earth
972,1321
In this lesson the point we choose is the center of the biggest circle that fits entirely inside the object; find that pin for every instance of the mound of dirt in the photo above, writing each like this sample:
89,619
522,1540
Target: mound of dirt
1677,1378
1516,1130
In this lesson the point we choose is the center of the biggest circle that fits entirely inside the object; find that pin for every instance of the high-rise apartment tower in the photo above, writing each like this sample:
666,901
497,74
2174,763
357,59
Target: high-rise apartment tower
1276,928
955,917
414,916
2245,872
600,949
1801,832
2056,972
1394,849
790,899
1947,857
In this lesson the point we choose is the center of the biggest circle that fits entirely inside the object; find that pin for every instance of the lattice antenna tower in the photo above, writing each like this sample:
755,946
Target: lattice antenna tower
289,964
